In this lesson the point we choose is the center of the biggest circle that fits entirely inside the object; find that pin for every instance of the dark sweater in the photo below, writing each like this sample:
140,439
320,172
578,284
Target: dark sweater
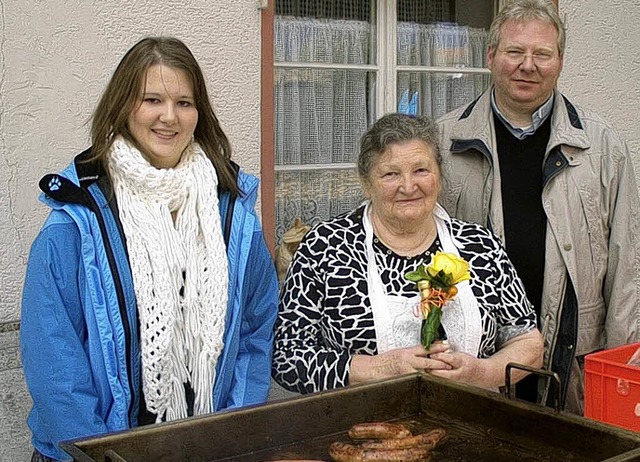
524,218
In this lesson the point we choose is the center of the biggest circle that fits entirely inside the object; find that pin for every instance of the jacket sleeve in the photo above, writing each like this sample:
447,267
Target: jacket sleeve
622,281
303,360
259,305
52,339
516,315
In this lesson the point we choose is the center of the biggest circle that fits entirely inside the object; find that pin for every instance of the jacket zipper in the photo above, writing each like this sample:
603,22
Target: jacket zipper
121,300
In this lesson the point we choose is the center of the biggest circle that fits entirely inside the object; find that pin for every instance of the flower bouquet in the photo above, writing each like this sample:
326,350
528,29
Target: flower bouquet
437,284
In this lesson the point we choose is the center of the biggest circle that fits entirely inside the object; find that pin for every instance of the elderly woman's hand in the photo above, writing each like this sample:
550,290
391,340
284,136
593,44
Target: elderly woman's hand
463,368
392,363
490,372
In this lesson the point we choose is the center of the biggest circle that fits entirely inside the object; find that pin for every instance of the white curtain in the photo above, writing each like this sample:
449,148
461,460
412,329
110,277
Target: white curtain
320,116
314,196
320,113
439,44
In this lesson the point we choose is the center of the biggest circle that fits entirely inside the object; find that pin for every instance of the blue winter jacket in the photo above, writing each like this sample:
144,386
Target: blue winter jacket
79,330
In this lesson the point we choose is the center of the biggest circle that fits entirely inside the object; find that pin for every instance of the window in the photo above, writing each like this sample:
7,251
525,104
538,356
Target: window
340,64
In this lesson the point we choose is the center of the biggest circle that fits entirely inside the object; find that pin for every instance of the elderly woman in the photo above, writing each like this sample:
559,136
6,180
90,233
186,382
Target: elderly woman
150,294
347,312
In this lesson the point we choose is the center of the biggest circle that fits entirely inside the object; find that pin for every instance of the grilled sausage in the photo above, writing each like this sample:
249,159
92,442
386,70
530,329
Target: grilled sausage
378,430
428,440
345,452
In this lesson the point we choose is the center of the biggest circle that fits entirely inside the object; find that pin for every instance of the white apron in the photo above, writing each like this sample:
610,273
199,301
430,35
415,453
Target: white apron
394,317
395,323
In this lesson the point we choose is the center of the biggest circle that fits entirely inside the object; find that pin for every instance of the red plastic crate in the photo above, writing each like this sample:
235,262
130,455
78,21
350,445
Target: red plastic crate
612,388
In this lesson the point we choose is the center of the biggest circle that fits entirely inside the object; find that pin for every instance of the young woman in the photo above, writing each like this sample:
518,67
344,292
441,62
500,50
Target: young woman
150,294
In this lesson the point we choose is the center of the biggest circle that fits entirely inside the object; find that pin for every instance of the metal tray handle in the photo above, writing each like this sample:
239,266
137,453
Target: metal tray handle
112,456
510,389
630,456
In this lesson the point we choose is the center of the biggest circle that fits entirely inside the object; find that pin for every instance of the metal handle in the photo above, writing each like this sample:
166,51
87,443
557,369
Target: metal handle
550,376
630,456
112,456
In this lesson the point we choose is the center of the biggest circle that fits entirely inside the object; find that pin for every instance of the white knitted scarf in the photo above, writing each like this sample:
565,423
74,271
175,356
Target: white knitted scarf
179,264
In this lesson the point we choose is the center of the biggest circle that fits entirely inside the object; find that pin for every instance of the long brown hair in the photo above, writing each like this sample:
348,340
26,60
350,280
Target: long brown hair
123,91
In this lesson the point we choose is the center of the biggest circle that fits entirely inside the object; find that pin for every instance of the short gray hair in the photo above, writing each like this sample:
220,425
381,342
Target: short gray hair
527,10
395,128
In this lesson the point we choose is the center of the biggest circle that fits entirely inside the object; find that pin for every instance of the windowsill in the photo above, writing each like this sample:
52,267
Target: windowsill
314,167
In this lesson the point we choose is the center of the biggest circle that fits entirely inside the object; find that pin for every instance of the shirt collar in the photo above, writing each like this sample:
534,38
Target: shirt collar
537,118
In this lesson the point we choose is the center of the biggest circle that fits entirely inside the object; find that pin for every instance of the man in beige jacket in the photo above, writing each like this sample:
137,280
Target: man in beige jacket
556,184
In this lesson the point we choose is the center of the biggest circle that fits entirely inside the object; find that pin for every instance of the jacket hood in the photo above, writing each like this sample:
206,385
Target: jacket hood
249,187
69,185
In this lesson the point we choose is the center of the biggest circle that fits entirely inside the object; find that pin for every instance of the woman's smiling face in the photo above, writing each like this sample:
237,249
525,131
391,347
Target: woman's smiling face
164,118
404,183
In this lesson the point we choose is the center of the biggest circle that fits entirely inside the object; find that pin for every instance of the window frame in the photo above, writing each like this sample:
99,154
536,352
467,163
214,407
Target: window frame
386,69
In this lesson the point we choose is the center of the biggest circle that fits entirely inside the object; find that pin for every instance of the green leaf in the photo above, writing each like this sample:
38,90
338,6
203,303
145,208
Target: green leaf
417,275
413,276
430,326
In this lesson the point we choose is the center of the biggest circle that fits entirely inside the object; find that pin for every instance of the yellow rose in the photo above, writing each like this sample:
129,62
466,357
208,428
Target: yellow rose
450,264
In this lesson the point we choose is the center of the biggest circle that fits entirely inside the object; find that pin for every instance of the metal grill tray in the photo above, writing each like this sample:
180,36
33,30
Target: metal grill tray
481,426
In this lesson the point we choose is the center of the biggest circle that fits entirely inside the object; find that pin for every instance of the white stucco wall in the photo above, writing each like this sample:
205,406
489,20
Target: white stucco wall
56,57
602,66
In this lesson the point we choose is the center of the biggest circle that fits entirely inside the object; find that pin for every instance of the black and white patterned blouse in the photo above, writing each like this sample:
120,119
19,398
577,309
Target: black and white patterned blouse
325,314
